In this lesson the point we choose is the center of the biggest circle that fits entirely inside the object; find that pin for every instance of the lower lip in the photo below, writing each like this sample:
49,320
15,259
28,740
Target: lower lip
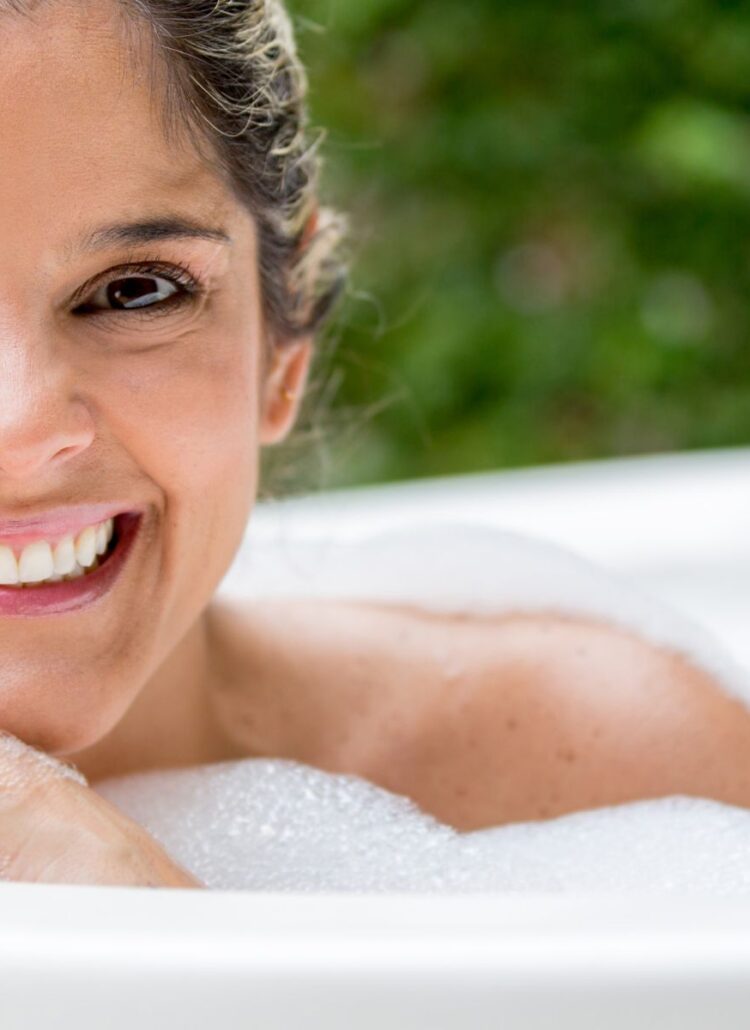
72,594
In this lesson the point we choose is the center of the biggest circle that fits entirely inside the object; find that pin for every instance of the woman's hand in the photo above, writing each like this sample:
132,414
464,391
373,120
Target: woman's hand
55,829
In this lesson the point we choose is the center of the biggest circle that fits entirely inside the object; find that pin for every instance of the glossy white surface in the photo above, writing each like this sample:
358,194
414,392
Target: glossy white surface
678,524
121,958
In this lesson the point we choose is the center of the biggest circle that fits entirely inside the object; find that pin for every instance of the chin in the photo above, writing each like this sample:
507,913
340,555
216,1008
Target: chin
55,732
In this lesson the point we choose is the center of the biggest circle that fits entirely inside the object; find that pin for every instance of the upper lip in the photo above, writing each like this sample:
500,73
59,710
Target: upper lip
59,522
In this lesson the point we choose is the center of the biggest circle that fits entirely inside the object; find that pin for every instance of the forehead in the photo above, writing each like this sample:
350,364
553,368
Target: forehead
82,138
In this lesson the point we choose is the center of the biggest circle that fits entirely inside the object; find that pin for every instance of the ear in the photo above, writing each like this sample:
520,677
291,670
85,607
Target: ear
286,376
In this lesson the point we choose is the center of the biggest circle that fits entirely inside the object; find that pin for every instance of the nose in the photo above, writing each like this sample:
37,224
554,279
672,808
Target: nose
42,421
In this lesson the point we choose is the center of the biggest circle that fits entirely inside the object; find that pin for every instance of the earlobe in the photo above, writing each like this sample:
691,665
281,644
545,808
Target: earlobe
284,389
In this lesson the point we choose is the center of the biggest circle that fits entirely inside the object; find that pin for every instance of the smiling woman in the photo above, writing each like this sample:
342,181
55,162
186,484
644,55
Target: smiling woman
164,258
164,269
164,262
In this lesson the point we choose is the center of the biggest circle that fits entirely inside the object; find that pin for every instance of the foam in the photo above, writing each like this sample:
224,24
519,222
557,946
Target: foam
263,824
276,825
267,824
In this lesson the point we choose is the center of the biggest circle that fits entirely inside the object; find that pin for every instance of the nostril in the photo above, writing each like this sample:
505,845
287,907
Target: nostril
21,460
66,452
70,450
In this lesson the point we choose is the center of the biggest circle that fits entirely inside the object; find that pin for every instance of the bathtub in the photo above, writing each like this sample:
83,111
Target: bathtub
110,958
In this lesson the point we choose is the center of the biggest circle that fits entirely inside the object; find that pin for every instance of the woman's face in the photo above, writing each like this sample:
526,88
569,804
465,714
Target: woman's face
160,409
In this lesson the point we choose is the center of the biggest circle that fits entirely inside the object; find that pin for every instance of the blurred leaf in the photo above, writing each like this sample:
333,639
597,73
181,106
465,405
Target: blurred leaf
550,210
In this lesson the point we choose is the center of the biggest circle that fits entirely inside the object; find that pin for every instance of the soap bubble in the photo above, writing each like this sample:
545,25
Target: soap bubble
277,825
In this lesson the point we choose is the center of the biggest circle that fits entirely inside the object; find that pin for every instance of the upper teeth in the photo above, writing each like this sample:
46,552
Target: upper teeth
42,560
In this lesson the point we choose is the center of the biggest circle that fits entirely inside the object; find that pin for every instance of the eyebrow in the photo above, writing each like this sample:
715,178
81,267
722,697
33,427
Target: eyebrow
148,231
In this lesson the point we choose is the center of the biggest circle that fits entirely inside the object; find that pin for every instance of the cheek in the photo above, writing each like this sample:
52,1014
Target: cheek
187,415
191,408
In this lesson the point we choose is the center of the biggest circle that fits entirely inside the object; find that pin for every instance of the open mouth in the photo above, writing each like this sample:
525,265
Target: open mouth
77,589
119,532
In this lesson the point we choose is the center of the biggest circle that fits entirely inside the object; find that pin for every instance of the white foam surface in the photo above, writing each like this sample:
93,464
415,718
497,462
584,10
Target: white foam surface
274,825
278,825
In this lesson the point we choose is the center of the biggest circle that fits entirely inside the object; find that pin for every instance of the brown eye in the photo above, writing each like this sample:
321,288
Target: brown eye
132,292
140,289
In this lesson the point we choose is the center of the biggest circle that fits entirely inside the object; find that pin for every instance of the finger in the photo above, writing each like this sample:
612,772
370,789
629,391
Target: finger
23,767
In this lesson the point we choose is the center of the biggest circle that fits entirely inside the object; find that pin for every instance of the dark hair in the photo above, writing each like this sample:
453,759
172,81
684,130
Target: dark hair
225,77
233,74
230,81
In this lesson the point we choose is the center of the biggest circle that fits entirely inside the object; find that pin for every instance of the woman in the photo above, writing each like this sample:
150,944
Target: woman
165,269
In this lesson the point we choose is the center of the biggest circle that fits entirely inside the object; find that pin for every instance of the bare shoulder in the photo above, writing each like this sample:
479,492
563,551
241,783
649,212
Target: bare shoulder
484,719
563,714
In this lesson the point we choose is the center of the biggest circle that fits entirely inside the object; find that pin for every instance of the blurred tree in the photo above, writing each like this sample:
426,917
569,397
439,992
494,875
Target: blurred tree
550,209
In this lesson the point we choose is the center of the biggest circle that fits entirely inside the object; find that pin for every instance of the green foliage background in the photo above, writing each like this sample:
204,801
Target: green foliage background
550,209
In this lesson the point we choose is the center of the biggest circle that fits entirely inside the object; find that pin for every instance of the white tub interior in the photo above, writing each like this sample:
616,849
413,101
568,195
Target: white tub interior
675,525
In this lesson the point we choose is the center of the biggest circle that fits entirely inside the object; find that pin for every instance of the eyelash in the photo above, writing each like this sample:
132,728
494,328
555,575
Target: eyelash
190,285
